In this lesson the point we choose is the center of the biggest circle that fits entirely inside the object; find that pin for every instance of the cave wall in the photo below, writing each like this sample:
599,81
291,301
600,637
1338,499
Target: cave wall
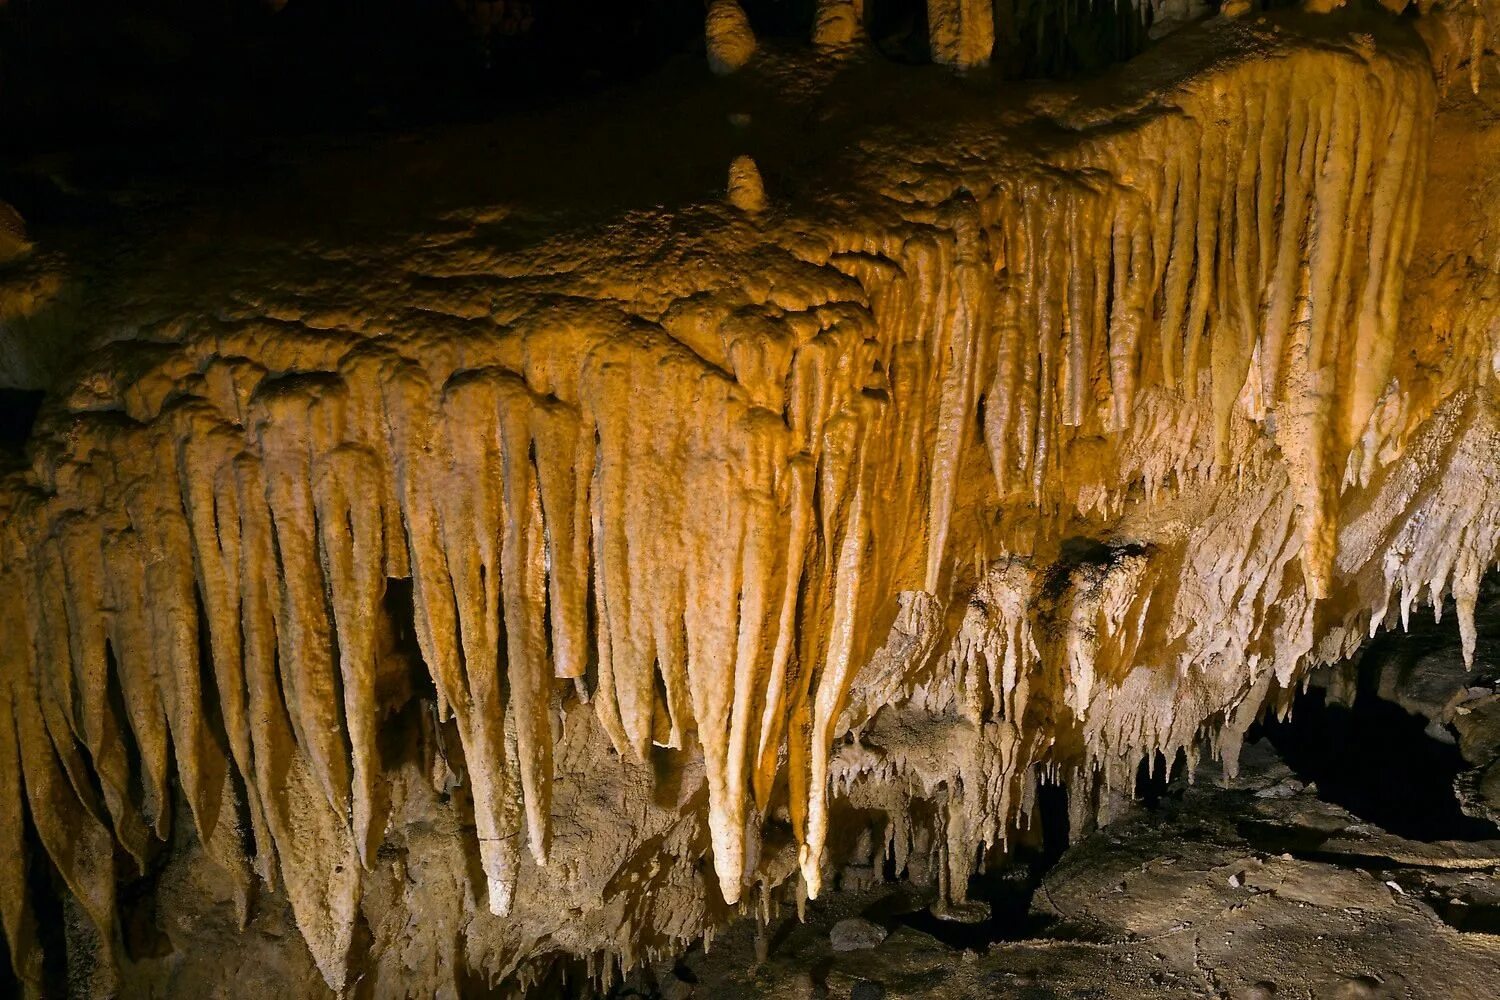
407,609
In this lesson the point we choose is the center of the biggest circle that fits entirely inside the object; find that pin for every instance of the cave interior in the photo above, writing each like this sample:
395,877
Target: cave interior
750,498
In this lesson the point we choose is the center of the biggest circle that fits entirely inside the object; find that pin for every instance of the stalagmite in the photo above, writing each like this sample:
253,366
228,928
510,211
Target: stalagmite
596,578
746,190
837,23
962,32
731,40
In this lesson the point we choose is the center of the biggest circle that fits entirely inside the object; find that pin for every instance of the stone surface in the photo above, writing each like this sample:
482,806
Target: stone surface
523,562
730,39
746,190
855,933
1145,908
836,24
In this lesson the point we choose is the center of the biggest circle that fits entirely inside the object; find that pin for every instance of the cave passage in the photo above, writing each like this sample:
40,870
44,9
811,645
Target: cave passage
18,413
1379,762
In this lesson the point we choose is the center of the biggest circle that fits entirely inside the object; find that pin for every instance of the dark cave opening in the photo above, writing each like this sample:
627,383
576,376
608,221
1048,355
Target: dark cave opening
1155,780
1376,760
776,18
1069,39
18,413
898,29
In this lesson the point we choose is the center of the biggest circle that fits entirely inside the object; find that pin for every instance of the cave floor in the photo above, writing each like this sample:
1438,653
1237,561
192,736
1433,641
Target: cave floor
1253,888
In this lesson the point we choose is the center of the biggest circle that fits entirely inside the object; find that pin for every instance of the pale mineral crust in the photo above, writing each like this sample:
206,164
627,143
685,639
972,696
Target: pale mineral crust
470,592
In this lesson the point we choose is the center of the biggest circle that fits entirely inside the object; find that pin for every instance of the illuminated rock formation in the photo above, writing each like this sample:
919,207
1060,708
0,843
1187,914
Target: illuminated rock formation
13,242
984,462
731,41
747,192
837,23
962,31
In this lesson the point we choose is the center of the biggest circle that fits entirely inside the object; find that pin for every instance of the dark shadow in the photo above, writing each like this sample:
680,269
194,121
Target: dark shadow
898,29
18,411
1377,761
1155,781
1470,918
78,71
1068,38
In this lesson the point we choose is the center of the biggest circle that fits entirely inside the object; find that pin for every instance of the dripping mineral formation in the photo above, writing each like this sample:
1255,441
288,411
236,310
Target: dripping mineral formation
496,581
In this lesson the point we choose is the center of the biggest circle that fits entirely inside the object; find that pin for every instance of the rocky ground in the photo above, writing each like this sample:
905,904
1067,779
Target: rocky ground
1260,890
1256,887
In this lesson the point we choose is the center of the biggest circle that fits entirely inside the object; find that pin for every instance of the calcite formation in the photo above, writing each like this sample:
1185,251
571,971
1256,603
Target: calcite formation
729,37
837,23
467,596
962,31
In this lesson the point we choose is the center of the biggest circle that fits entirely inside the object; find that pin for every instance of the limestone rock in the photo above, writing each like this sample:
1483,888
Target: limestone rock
746,190
731,40
855,934
836,24
962,32
471,596
13,241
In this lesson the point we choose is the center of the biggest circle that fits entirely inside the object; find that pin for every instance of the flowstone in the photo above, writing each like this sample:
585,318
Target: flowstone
493,583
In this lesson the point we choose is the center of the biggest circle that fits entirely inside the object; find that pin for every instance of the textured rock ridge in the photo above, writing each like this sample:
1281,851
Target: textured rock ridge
1114,439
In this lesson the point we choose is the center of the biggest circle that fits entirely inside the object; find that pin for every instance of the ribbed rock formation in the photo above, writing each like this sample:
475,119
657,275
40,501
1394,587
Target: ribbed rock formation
837,23
571,564
729,37
962,31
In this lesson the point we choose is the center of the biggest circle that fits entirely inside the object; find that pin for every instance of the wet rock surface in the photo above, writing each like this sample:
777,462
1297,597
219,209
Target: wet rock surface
487,595
1217,892
1250,887
855,934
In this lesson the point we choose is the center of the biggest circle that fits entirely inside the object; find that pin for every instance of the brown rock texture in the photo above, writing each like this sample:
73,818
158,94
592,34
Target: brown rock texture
962,31
731,40
463,597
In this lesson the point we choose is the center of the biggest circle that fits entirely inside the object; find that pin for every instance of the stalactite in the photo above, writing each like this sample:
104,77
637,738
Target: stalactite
704,526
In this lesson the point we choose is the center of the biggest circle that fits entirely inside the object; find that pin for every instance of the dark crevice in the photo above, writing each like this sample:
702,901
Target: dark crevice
1155,781
1377,761
790,19
1067,39
45,890
212,719
18,413
1275,838
1470,918
399,605
405,690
